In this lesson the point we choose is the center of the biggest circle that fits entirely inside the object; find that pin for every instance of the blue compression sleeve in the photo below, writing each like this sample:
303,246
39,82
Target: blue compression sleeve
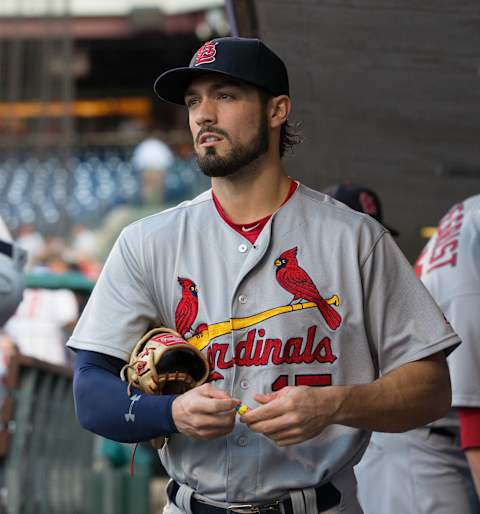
103,406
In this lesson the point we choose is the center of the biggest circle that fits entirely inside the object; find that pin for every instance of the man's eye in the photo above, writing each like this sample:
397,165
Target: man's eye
225,96
190,102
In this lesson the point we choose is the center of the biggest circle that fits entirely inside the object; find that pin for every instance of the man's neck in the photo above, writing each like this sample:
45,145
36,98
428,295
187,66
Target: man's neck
248,197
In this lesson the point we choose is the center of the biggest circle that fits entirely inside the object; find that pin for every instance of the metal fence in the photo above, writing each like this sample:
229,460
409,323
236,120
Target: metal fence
47,460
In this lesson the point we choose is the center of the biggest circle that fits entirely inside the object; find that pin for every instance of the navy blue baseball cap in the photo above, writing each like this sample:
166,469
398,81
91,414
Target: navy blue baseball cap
360,199
245,59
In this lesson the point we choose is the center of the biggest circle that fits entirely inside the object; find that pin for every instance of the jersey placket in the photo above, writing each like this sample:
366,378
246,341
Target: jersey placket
241,444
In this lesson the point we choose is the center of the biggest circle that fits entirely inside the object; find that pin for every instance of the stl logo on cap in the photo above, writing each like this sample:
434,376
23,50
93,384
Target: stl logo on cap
369,205
206,54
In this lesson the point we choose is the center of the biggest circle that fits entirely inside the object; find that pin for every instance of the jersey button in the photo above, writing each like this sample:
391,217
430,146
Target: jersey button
243,248
242,298
244,384
242,441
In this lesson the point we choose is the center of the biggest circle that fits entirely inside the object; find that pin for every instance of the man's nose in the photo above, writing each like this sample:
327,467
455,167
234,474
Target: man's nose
205,113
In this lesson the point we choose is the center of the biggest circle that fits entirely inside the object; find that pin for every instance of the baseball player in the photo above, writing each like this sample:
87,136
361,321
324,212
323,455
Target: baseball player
362,199
316,328
430,469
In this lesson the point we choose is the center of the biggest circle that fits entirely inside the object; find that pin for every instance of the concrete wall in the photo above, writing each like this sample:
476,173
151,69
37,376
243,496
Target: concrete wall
388,93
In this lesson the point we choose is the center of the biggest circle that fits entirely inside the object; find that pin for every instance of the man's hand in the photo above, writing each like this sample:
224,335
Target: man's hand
294,414
409,396
204,412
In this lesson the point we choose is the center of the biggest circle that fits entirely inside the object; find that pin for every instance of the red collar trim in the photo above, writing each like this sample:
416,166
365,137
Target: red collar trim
251,230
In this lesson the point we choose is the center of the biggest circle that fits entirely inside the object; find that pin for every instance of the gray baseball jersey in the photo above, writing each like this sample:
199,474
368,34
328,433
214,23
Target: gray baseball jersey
12,278
450,269
324,296
424,471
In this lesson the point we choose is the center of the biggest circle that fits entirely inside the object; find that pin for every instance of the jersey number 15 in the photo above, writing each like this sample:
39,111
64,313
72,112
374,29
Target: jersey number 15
303,380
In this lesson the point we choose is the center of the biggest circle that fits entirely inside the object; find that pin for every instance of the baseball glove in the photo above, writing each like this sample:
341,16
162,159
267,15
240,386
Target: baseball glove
162,362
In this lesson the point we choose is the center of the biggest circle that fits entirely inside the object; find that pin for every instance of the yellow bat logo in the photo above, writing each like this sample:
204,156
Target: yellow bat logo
222,328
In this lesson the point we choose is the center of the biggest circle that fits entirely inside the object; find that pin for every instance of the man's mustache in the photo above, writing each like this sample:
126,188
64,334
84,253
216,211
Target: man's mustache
211,130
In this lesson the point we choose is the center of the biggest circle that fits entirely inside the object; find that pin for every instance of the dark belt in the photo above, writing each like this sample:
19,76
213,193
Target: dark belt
328,496
443,431
6,248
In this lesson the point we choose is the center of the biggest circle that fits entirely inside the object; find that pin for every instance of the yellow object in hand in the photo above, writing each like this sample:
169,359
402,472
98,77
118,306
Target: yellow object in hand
242,409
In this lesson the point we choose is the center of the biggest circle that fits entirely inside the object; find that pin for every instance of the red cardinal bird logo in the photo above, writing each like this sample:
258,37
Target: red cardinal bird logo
187,308
297,282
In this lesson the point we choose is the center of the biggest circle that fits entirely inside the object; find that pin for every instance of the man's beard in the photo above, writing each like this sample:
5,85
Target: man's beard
240,156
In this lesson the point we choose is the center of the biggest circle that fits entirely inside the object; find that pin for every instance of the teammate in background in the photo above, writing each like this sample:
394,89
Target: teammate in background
12,278
360,199
12,284
438,477
430,469
310,315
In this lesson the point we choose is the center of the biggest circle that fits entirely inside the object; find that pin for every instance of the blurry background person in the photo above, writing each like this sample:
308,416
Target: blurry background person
12,284
12,280
39,326
151,159
84,251
84,242
433,469
30,240
360,199
44,319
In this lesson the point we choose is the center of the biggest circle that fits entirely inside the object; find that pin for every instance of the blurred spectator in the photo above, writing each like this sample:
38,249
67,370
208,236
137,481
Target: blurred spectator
84,243
51,256
30,240
39,327
58,257
45,318
84,252
152,158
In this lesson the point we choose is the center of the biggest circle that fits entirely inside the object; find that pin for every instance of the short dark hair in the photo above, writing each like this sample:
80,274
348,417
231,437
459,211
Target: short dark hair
289,134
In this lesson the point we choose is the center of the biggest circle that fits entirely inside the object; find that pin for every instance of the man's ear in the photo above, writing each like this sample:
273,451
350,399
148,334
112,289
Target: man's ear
279,109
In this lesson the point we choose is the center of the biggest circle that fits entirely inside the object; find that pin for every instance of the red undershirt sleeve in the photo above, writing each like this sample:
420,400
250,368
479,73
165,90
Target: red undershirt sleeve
469,427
